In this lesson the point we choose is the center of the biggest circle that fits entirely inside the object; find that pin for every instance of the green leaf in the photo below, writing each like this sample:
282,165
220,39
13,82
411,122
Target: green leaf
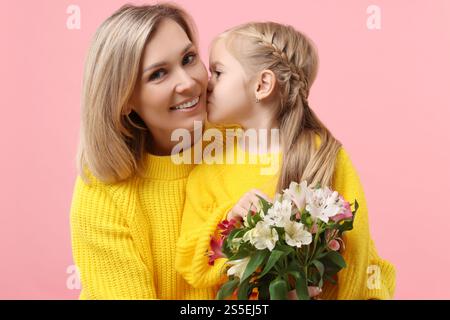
255,261
233,234
330,279
336,258
285,248
293,265
265,205
244,290
227,289
242,253
274,257
295,274
249,219
356,206
263,292
257,218
278,289
347,225
301,287
319,266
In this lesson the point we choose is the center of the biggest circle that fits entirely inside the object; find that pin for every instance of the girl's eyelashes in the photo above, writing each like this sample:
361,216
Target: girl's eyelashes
217,73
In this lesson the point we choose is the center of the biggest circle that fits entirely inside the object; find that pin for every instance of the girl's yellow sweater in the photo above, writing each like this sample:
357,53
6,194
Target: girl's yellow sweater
212,190
124,235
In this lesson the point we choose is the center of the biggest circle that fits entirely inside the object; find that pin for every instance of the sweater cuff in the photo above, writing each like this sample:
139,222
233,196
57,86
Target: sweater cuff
205,275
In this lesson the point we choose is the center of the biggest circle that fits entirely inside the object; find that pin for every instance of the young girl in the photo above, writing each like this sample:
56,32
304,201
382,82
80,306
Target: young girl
261,77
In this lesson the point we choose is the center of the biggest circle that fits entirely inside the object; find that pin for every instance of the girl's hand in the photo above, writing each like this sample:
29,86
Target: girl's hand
312,291
249,201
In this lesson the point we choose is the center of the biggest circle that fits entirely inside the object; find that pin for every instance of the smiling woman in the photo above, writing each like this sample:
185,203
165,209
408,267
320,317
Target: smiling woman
171,92
143,79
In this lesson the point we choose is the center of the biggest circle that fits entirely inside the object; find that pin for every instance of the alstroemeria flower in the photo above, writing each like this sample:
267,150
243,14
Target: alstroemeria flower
333,241
322,204
216,250
334,245
238,267
296,235
279,214
226,226
345,212
262,236
297,193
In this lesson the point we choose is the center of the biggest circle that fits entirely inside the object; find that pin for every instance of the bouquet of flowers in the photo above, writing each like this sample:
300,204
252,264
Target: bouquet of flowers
290,246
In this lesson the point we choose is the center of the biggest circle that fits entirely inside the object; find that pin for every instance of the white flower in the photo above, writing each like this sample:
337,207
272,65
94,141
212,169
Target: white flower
297,193
238,267
262,236
279,214
322,203
296,235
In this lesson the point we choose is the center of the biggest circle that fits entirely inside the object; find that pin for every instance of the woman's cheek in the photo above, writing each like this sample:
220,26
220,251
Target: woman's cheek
202,75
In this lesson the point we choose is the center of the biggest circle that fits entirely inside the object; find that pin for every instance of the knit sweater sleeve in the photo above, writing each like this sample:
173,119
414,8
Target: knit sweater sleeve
103,248
367,275
202,213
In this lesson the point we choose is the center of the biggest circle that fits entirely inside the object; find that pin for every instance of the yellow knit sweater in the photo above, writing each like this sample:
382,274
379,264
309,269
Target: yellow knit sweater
212,190
124,235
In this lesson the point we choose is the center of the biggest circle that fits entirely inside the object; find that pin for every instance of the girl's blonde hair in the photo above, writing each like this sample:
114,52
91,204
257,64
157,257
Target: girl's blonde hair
112,144
293,58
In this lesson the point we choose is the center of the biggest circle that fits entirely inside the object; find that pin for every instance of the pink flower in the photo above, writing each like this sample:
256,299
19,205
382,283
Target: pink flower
333,241
314,228
334,245
346,212
216,250
226,226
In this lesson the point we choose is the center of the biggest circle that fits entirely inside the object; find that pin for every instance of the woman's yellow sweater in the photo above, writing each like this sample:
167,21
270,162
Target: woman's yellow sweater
212,190
124,235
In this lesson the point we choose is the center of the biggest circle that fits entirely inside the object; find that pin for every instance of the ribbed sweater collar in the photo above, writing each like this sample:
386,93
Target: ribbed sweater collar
164,168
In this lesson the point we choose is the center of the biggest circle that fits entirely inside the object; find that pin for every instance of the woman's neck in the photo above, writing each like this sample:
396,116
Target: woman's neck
162,145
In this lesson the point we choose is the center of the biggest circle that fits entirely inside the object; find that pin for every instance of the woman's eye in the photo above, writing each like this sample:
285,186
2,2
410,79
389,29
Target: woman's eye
189,58
217,73
157,75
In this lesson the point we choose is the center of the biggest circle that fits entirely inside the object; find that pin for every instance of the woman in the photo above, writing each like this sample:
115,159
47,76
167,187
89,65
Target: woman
143,79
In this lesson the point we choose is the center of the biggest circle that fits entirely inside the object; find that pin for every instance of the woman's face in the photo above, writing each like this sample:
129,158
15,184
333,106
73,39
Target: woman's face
229,99
171,92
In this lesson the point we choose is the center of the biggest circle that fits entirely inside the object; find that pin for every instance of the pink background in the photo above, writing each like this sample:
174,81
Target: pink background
384,93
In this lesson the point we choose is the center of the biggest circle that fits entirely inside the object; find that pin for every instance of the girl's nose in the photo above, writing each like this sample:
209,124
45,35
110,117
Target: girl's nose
210,86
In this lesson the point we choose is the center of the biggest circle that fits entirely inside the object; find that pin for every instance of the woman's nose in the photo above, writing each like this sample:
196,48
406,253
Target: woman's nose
185,82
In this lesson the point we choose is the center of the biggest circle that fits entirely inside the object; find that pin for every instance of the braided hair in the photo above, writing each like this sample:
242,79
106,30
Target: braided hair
293,58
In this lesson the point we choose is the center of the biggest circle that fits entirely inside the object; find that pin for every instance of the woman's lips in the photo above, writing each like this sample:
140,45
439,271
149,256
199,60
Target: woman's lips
187,106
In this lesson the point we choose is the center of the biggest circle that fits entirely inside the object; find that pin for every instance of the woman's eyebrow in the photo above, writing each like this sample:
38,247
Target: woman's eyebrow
162,63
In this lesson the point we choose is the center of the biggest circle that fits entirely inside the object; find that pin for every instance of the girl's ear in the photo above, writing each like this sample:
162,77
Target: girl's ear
265,85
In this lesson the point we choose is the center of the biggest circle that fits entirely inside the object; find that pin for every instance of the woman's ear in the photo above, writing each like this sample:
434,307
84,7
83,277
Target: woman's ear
127,109
265,85
130,105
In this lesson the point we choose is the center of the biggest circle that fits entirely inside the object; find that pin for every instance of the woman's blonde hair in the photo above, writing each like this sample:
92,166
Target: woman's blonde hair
112,144
293,58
